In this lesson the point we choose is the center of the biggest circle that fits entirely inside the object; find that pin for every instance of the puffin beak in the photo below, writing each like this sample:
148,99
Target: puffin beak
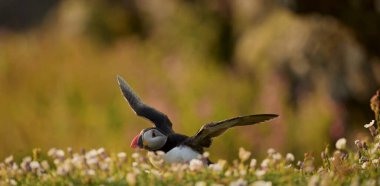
135,141
138,141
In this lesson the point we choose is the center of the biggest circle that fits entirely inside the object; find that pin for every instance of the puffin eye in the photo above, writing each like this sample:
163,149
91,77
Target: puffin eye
153,134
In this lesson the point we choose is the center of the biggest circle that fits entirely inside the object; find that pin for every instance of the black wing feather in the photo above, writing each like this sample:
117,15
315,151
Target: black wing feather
160,120
203,137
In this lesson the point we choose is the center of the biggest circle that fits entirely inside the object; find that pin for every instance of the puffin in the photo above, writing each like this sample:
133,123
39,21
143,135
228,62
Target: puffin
178,148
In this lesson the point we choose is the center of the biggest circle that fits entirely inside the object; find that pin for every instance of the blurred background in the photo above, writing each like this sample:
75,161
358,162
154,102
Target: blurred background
315,63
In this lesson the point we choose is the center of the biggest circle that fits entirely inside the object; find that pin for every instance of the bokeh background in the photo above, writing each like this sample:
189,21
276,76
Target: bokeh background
315,63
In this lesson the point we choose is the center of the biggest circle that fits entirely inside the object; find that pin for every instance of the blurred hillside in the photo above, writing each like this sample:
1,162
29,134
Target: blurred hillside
196,61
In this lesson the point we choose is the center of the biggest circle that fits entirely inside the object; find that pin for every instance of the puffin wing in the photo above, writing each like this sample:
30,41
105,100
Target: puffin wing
160,120
203,137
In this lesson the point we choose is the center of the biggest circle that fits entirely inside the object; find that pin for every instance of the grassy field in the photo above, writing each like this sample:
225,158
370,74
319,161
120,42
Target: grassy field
341,166
69,108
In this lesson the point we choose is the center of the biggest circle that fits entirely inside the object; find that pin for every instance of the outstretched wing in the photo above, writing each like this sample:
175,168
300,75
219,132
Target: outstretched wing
203,137
160,120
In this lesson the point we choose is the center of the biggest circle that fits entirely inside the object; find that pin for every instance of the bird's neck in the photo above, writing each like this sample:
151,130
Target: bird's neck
173,140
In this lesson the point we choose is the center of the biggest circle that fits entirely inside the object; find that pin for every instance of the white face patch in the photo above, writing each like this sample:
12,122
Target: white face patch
181,154
154,139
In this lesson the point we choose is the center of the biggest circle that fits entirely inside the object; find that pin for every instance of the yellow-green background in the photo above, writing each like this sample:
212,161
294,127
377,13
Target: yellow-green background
58,79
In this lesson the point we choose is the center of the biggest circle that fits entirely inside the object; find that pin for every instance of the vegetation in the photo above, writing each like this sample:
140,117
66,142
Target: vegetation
198,62
98,167
58,88
342,166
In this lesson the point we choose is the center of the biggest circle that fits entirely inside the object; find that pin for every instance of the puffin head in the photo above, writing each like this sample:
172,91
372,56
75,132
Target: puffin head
150,139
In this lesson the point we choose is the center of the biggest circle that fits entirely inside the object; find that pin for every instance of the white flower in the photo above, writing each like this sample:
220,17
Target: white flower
34,165
67,166
135,155
377,145
60,153
289,157
206,154
145,166
61,171
57,161
228,173
262,183
101,150
200,183
222,163
253,163
260,173
364,165
103,165
121,155
8,160
131,178
243,172
77,160
243,154
215,167
52,151
45,165
12,182
27,159
150,154
288,166
14,166
108,160
91,154
265,163
271,151
357,142
370,124
341,144
90,172
216,184
375,161
239,182
195,164
134,164
92,161
277,156
313,180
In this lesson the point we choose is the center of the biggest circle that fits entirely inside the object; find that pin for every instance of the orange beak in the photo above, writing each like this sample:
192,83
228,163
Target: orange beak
135,141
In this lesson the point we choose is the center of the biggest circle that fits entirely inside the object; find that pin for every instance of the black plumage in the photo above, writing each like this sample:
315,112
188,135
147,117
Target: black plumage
202,139
158,118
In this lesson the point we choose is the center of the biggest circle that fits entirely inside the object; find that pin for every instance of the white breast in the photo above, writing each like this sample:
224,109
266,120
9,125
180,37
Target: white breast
181,154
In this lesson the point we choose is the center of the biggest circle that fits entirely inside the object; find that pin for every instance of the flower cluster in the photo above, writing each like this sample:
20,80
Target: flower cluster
84,166
96,166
